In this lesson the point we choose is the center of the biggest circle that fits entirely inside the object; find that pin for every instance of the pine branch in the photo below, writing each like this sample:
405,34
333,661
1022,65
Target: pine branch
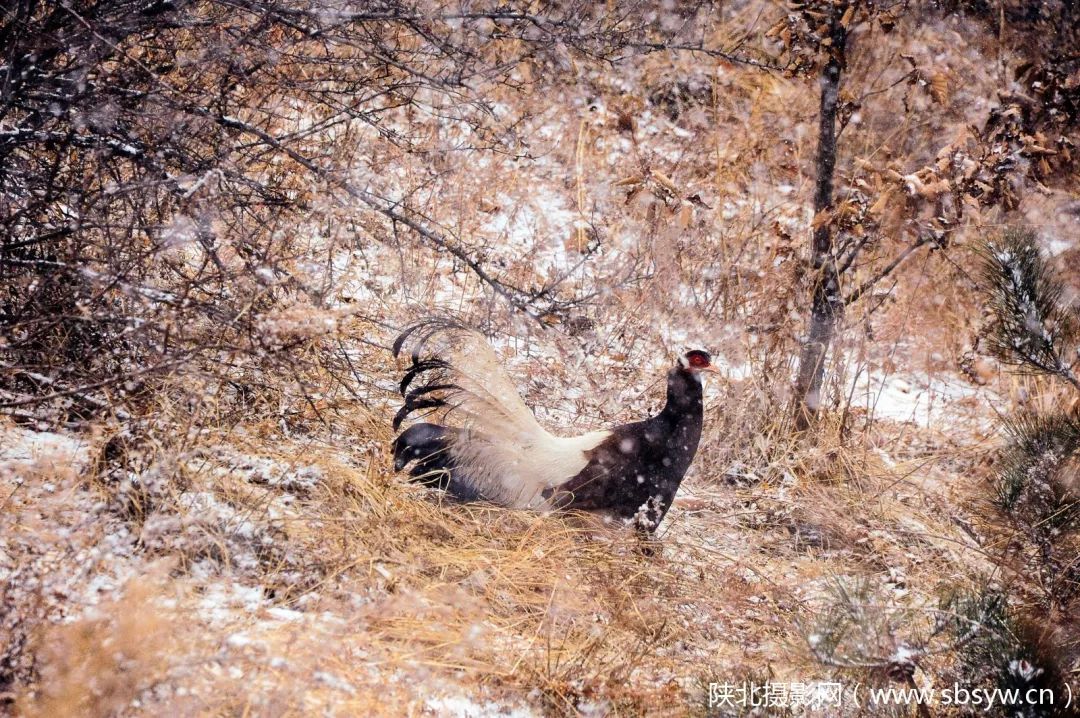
1029,483
1005,653
1032,327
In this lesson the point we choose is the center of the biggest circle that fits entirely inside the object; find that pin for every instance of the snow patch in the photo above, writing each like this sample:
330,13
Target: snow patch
465,707
916,398
19,445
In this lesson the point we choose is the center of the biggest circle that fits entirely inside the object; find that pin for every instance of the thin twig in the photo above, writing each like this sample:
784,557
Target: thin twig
887,269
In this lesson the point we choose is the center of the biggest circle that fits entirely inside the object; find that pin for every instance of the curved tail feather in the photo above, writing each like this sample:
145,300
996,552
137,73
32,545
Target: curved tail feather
497,451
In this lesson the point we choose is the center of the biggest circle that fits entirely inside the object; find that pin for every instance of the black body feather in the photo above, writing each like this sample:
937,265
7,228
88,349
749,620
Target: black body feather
634,474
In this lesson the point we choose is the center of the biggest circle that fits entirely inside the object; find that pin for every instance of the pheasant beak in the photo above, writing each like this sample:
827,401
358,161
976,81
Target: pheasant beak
710,368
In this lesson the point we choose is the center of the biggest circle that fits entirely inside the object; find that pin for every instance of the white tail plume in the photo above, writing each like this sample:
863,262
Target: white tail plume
502,453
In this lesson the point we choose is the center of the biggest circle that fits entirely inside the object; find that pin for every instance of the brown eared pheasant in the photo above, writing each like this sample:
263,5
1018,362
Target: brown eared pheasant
488,446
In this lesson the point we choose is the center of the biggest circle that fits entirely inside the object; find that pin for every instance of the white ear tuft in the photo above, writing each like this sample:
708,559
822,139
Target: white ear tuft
684,362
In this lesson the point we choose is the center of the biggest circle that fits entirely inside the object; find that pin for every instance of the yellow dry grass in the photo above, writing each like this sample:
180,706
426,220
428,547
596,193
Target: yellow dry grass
386,597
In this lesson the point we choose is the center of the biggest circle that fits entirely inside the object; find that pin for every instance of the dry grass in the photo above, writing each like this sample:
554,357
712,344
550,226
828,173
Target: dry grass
102,662
344,587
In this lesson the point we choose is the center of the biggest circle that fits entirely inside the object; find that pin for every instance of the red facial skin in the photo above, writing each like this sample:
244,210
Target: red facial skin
699,361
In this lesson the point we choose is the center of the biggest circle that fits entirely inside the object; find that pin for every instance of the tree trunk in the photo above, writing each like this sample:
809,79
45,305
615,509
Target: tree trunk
827,301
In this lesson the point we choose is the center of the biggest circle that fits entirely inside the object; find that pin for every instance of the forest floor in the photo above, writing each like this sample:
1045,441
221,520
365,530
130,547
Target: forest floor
275,565
295,576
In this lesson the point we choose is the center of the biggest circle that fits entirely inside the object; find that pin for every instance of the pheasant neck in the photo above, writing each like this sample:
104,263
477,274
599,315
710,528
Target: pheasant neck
684,398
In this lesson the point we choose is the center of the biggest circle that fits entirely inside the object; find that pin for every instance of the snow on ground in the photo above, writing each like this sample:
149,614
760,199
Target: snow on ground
24,446
462,706
931,402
